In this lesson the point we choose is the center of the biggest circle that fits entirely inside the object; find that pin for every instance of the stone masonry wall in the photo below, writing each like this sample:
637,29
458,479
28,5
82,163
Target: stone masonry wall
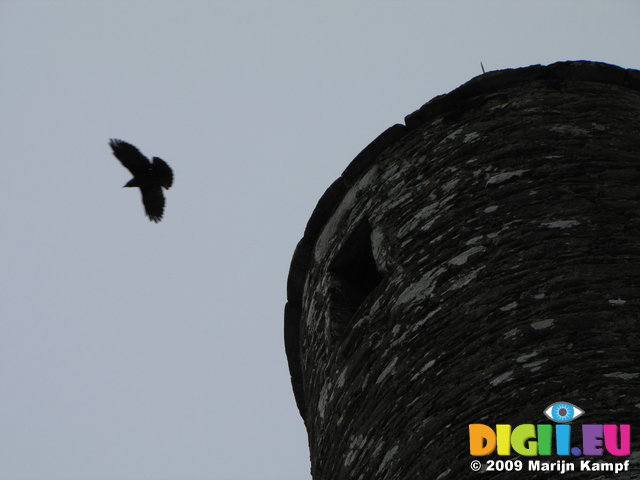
473,266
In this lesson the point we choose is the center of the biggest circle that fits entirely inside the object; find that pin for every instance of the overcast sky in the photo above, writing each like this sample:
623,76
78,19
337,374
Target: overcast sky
139,351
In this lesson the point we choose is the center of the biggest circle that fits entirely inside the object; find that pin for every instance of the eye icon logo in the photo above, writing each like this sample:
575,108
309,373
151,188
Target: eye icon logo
563,412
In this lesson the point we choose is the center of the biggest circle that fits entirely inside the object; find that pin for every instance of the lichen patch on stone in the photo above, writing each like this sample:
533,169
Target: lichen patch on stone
509,306
617,302
561,224
462,258
535,366
421,289
523,358
541,324
470,137
505,377
504,176
387,371
387,458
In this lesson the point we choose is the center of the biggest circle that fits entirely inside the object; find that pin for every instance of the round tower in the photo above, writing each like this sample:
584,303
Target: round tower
475,265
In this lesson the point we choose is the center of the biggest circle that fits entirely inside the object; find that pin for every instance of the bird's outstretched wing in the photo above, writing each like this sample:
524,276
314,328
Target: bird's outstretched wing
162,172
153,201
129,156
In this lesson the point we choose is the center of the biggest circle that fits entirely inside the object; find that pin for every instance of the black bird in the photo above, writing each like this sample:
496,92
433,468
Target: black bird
149,177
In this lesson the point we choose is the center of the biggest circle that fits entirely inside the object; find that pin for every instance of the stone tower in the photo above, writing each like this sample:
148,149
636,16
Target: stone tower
474,265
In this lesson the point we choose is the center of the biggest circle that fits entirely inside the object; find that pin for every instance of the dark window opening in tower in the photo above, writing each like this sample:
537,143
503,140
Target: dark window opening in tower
354,275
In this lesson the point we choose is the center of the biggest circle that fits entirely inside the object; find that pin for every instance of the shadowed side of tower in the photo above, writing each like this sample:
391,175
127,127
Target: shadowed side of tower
474,265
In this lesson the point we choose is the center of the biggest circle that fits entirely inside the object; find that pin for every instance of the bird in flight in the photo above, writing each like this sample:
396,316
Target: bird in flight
149,177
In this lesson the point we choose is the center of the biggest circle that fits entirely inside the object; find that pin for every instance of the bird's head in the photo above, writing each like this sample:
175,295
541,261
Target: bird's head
131,183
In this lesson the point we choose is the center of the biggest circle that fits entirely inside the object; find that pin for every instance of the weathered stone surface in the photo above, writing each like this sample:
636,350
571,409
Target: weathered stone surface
482,264
370,153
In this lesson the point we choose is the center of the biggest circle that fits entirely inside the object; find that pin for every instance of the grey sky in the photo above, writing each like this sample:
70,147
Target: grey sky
130,350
